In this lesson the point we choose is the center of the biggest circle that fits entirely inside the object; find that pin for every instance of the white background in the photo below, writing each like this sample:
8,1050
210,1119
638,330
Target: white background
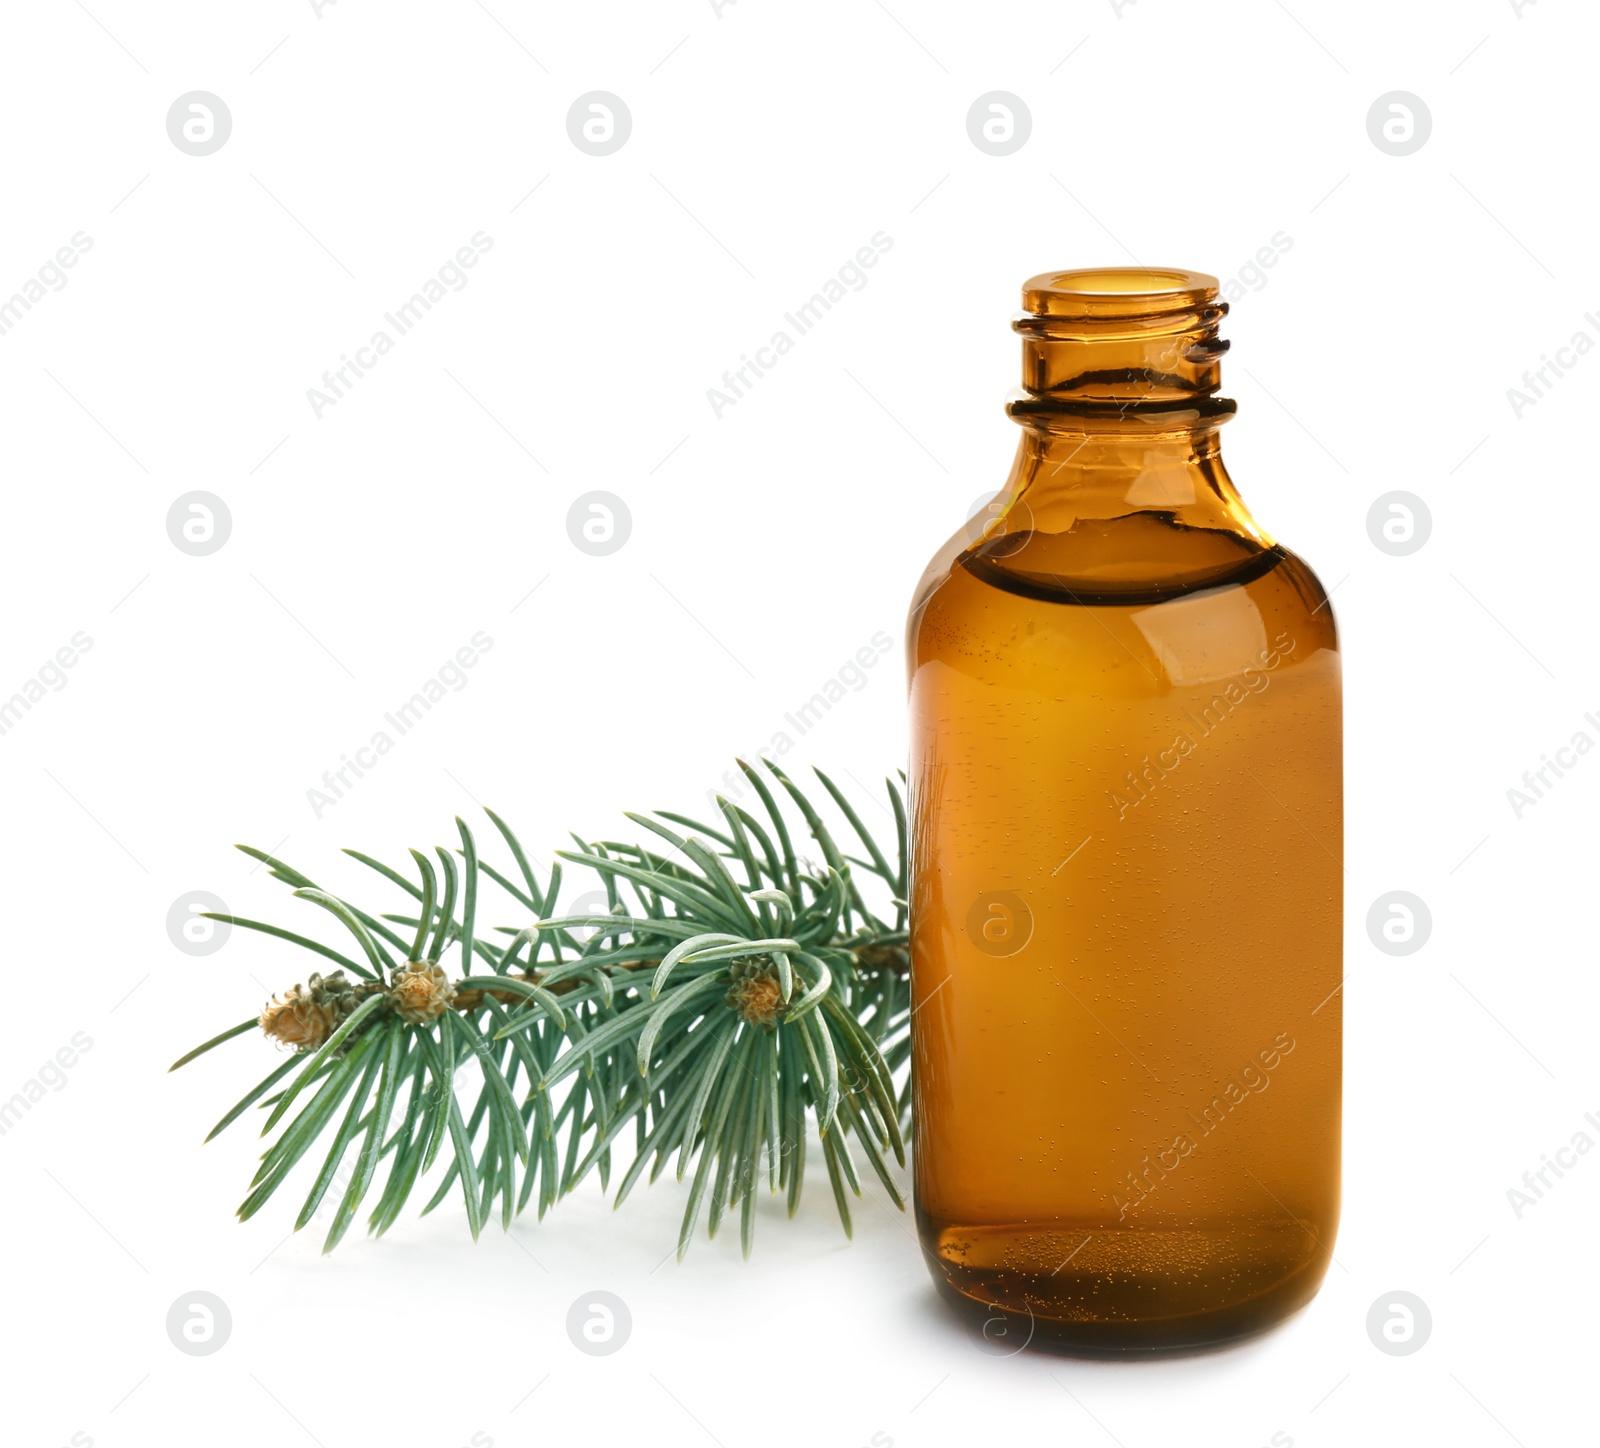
768,545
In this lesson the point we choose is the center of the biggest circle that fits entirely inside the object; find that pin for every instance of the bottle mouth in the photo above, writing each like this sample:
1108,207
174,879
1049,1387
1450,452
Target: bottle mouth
1137,344
1119,292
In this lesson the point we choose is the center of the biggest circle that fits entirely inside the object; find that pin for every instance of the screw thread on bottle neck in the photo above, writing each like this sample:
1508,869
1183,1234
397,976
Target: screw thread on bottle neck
1121,349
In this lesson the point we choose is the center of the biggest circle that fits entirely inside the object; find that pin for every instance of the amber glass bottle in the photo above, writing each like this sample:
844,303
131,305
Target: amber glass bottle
1127,839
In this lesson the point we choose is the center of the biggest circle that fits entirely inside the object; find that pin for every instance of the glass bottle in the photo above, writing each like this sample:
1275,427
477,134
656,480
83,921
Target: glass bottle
1127,827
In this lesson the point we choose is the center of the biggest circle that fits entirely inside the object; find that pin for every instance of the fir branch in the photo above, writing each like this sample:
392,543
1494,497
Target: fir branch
729,995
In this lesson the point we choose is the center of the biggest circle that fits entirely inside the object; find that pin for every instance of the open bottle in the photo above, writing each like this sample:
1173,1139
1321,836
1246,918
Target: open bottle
1127,816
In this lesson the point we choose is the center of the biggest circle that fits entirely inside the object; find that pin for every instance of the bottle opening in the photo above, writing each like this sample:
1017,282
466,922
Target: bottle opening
1130,291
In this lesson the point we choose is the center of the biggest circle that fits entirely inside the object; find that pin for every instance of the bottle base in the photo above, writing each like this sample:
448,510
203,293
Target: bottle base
1119,1292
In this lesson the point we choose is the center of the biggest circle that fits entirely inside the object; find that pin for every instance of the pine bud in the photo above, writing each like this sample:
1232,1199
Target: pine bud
754,991
421,992
305,1016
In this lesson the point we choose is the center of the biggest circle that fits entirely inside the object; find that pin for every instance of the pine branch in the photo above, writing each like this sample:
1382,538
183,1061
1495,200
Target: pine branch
730,994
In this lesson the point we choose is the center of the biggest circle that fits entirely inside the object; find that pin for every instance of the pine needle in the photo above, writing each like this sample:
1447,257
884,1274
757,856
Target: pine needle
729,1000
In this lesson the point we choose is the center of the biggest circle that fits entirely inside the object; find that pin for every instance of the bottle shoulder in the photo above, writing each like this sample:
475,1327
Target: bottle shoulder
1315,601
970,618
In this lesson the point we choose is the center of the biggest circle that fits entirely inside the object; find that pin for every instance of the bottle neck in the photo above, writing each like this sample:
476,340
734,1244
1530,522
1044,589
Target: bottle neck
1118,489
1076,355
1119,402
1062,475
